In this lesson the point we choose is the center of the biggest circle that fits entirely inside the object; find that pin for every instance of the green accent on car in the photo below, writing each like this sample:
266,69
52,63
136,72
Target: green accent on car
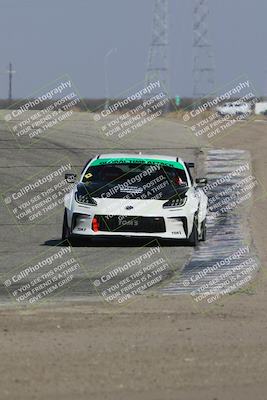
106,161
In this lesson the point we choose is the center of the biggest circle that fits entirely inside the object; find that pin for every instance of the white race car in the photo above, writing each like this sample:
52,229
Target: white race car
136,196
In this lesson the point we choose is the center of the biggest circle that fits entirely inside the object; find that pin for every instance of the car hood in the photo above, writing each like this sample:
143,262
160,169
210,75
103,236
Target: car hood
126,206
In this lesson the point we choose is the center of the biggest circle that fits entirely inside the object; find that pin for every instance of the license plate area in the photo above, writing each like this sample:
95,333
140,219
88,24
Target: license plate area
121,223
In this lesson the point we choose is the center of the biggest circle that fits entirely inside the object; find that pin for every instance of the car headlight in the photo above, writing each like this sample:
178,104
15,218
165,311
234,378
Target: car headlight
176,202
85,199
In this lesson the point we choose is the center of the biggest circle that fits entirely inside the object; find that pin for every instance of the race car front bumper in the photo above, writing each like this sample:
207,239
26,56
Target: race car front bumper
175,227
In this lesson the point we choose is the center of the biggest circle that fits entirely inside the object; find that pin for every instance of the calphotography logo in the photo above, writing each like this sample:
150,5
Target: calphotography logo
38,197
43,111
43,277
133,275
218,113
135,111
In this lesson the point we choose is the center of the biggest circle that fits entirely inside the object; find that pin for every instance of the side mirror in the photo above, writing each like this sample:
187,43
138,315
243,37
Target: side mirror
201,181
70,178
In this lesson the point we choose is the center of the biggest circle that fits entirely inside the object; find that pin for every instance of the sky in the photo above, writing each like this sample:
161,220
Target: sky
46,39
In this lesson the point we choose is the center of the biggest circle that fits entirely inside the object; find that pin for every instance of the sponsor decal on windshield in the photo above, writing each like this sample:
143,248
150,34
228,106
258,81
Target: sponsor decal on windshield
105,161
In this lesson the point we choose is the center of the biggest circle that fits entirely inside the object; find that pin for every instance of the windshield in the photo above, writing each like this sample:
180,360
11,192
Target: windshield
135,181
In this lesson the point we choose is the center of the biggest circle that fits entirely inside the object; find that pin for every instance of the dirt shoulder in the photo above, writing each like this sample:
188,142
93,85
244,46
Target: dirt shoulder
155,348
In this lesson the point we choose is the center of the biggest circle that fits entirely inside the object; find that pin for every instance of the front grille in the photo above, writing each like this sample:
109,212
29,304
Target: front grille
120,223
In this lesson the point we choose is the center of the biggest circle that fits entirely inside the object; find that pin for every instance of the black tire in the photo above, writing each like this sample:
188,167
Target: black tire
193,238
65,229
203,231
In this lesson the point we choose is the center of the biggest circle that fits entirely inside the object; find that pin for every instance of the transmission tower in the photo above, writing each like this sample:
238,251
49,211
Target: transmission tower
158,56
203,63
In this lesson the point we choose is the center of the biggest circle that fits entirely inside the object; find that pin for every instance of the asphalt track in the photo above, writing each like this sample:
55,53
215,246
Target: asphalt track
79,139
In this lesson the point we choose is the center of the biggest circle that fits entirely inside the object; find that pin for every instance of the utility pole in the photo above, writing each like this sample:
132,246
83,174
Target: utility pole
203,63
158,57
10,73
106,58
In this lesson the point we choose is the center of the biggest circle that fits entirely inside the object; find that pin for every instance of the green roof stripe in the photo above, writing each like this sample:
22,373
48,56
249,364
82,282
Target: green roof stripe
105,161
